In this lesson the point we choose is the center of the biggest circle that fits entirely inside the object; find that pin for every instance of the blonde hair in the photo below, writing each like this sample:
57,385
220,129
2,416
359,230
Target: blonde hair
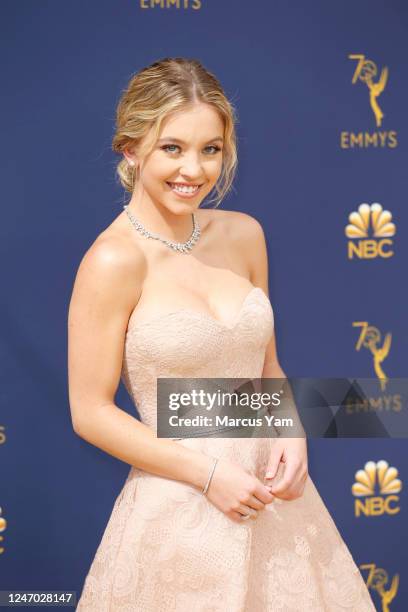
167,86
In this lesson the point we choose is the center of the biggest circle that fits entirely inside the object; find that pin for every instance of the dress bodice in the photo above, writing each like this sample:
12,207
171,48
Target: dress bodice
188,344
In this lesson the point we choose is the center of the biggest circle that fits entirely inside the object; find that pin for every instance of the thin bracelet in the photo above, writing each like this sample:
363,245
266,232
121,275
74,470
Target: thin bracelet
204,491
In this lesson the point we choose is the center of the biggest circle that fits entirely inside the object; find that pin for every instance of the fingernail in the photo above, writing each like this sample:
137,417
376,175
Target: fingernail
269,475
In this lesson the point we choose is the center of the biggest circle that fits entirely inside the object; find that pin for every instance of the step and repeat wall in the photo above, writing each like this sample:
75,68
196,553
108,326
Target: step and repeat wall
322,95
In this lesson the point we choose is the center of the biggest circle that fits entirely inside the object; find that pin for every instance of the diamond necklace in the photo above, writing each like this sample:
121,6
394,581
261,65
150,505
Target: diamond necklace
182,247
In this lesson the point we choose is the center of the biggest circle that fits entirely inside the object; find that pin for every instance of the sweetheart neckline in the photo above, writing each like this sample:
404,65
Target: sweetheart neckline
198,314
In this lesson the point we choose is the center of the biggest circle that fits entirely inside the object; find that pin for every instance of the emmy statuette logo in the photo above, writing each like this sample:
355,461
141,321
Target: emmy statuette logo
370,338
378,580
370,231
368,75
376,488
366,71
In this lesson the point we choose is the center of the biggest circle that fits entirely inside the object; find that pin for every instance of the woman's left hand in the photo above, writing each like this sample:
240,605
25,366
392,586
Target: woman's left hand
293,453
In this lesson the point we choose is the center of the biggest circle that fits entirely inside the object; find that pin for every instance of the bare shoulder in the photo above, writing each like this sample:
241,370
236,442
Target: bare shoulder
110,253
112,270
237,225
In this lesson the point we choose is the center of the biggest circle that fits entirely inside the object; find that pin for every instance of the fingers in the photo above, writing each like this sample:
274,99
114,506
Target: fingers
242,512
245,510
273,464
293,481
255,503
249,506
263,493
288,478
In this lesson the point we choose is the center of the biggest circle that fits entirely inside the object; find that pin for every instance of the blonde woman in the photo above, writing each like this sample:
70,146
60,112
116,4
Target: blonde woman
171,289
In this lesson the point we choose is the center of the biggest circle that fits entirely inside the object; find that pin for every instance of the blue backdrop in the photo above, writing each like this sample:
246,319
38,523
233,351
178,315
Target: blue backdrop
319,134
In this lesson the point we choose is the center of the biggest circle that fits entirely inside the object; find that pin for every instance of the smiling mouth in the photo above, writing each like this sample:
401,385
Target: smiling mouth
184,188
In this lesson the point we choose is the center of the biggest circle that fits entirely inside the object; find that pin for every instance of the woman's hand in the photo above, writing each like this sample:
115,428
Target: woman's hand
292,452
236,492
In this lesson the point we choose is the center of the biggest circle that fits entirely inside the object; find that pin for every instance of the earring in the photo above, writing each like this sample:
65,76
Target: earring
131,163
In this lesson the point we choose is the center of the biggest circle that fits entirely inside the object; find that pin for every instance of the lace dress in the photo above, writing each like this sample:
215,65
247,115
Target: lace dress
166,547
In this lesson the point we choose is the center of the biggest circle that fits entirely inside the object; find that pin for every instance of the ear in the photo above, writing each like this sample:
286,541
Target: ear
130,157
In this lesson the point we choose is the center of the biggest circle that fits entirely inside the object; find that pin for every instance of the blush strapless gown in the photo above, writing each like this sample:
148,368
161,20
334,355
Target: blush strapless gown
166,547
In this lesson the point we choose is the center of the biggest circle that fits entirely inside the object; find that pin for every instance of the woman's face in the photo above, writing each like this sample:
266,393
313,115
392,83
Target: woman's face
186,160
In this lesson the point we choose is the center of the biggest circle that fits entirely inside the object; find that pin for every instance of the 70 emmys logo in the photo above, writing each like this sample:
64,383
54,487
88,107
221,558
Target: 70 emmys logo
370,338
378,580
383,477
370,231
366,72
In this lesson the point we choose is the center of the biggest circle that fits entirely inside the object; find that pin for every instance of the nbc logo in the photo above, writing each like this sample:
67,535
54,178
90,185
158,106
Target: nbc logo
383,477
370,230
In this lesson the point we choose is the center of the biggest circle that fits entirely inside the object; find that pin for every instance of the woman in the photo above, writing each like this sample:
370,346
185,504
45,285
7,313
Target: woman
167,290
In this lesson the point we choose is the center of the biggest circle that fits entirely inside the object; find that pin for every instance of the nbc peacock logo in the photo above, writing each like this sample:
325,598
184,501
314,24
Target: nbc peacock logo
370,230
376,488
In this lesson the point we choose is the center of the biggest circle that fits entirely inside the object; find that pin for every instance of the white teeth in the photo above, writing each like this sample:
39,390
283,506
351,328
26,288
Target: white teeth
184,188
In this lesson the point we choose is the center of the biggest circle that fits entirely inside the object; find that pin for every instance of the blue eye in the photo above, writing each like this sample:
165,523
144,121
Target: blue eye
214,147
166,148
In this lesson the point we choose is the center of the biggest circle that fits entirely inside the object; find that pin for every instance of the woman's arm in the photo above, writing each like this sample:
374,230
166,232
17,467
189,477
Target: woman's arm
106,289
289,451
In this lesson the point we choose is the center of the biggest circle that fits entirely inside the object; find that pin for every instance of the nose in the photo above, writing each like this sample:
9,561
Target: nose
191,166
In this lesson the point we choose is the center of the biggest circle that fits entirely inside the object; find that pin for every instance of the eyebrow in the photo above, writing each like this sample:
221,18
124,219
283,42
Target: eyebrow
217,138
